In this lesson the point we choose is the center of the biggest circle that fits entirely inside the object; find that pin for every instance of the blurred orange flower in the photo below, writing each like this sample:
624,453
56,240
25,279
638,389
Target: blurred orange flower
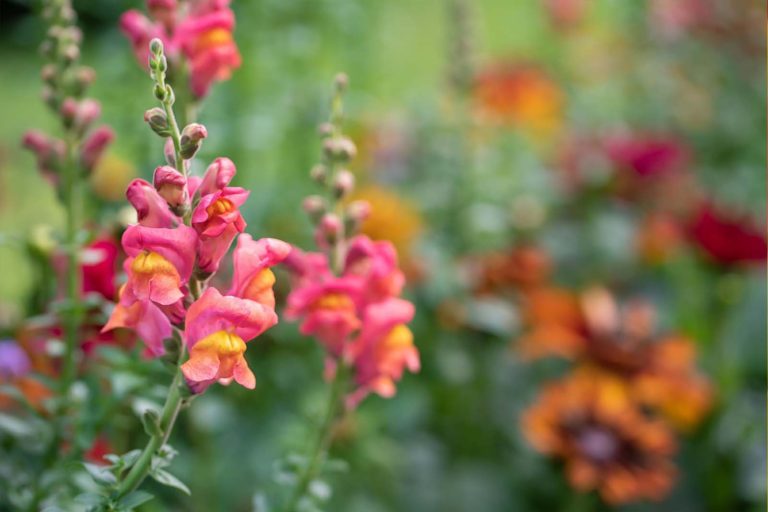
522,96
606,442
392,217
659,370
524,267
658,237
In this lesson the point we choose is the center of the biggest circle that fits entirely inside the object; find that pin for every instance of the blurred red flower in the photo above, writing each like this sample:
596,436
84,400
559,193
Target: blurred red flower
728,239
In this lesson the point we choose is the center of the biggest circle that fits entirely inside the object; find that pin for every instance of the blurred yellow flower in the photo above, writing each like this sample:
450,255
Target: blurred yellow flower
111,177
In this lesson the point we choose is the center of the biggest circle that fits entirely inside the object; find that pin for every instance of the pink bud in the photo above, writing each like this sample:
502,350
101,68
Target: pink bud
95,145
191,137
87,112
330,226
171,185
359,210
37,142
170,152
314,206
343,183
217,176
85,76
68,109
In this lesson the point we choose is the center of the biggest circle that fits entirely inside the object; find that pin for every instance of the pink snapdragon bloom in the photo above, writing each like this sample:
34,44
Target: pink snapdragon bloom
327,311
253,279
347,313
146,318
217,329
384,349
376,264
217,220
199,32
151,209
217,217
160,262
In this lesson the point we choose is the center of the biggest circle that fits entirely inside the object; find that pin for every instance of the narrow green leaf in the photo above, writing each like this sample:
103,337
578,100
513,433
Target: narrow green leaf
134,499
164,477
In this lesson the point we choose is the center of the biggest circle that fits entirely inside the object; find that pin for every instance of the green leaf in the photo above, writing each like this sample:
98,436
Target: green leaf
164,477
90,499
14,426
134,499
100,474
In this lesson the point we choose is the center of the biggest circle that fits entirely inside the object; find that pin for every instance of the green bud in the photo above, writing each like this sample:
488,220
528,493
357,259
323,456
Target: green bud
156,46
159,92
158,121
191,139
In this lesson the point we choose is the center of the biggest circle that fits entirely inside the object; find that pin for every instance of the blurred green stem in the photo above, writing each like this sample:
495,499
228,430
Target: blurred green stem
72,193
319,449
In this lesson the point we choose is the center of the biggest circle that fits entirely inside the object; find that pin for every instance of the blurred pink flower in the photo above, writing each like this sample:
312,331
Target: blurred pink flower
384,349
200,33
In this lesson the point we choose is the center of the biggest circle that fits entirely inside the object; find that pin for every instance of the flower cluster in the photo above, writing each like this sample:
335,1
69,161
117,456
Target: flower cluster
652,172
186,225
607,444
658,370
522,96
197,36
348,295
66,82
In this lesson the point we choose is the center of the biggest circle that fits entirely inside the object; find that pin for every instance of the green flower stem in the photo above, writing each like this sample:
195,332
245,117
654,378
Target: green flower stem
319,450
72,193
143,465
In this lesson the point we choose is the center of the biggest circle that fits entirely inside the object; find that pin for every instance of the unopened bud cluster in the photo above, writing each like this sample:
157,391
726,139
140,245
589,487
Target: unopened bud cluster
160,119
65,84
333,221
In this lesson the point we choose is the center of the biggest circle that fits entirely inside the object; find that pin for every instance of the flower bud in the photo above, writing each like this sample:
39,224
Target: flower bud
341,82
158,121
94,146
325,129
340,149
85,76
315,207
191,138
87,112
156,46
343,183
71,53
68,110
355,215
170,152
172,186
359,209
48,73
319,173
330,227
159,92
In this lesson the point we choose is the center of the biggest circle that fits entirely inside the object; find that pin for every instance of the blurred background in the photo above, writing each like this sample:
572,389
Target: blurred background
529,160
